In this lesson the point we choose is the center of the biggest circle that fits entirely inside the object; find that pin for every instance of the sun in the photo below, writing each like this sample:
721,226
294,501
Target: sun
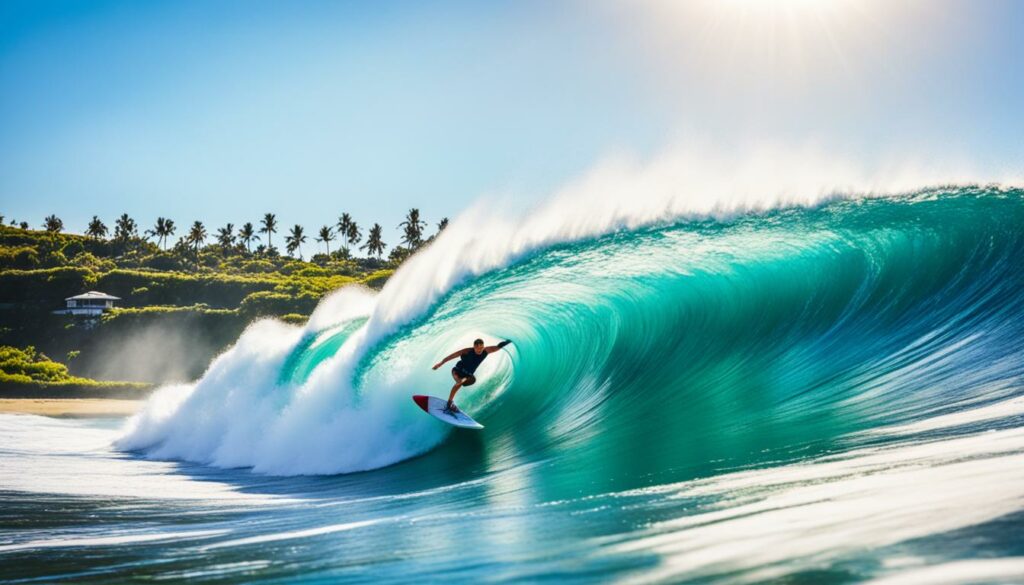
793,41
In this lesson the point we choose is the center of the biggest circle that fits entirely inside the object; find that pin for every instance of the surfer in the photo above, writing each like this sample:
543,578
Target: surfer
469,359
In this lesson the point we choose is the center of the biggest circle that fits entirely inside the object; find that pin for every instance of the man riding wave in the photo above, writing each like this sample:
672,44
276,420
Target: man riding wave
470,359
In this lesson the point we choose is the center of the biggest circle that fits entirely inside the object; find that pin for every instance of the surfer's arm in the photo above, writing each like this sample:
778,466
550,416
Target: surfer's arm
451,357
495,348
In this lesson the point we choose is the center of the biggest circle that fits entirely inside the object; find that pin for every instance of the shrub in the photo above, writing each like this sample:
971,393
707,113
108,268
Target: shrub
178,288
54,259
258,266
378,278
312,271
163,309
268,304
94,264
73,248
22,258
292,266
398,255
21,386
314,286
49,285
27,363
163,261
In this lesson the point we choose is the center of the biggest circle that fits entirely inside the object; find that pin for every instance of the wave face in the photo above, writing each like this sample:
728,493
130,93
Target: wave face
641,356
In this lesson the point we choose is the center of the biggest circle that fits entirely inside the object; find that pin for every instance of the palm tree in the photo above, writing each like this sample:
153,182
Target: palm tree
96,229
53,224
442,224
326,235
169,229
374,242
295,239
154,232
197,235
344,225
125,228
163,229
269,223
353,235
247,234
412,229
226,235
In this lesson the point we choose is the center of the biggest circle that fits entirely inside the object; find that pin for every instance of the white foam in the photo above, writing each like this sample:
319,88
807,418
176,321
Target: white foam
107,540
295,534
1008,570
1000,410
52,456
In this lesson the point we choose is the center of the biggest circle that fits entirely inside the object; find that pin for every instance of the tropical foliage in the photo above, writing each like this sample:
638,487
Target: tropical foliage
412,229
269,227
294,240
326,235
28,372
211,285
53,224
374,242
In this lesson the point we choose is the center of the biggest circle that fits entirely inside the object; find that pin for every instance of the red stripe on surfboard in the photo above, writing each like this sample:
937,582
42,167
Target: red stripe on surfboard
421,401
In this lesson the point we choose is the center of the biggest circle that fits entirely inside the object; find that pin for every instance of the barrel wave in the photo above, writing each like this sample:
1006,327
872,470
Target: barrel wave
659,348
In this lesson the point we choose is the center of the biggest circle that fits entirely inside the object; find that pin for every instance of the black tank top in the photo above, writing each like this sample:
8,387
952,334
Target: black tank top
470,361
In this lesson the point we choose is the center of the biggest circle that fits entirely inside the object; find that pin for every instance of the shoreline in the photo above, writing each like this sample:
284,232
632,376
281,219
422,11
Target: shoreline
71,407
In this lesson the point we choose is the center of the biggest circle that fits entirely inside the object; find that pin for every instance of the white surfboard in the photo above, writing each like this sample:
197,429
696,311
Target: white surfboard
434,406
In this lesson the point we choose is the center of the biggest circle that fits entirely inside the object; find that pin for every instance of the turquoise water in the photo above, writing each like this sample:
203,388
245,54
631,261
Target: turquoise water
828,395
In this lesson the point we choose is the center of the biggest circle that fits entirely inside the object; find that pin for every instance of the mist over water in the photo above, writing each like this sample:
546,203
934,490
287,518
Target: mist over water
814,384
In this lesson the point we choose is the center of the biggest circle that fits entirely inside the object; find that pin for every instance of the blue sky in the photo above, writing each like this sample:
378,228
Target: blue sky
223,110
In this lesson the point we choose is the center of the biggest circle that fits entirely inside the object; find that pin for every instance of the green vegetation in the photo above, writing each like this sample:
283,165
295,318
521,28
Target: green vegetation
26,372
206,287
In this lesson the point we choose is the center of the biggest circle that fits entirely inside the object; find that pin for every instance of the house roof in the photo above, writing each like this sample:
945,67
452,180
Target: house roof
93,295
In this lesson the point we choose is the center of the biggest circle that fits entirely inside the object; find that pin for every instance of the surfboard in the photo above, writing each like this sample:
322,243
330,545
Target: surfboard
434,406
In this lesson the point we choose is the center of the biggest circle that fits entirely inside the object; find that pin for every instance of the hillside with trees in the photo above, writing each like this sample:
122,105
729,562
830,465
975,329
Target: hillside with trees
187,291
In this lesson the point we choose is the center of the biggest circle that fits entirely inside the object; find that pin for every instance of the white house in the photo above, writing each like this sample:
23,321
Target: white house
92,303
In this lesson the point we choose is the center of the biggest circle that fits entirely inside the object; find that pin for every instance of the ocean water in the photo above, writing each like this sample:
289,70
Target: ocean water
830,393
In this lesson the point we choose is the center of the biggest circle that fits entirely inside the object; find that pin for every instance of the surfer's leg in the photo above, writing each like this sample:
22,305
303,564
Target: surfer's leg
458,384
451,396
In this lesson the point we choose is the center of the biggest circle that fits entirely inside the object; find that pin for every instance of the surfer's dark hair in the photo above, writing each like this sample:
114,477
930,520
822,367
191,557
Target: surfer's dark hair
478,342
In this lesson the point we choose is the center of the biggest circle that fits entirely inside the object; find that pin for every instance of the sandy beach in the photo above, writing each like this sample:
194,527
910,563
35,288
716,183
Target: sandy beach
69,407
